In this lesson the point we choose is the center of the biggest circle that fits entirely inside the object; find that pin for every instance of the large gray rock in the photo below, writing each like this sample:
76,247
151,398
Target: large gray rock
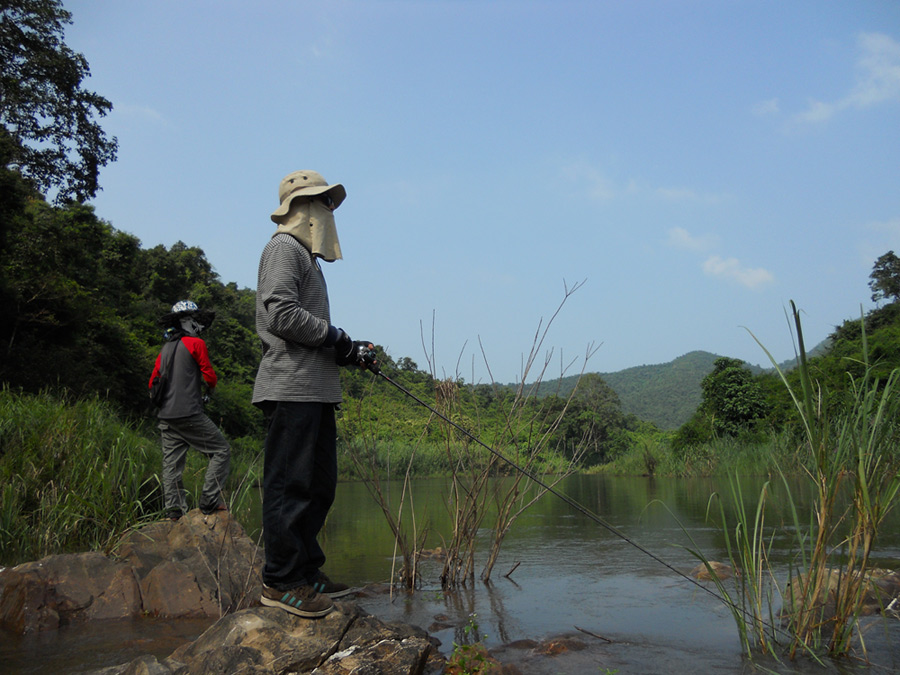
64,589
266,640
199,566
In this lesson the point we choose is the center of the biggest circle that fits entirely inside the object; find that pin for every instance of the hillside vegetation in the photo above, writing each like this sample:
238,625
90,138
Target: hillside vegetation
665,394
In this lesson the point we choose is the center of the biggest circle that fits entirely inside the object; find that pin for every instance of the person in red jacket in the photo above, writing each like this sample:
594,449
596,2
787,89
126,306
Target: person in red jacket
185,366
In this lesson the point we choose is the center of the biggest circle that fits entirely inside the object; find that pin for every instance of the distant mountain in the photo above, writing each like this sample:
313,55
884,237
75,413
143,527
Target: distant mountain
666,394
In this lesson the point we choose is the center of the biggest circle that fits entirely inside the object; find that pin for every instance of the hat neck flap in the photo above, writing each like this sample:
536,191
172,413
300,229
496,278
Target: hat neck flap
310,223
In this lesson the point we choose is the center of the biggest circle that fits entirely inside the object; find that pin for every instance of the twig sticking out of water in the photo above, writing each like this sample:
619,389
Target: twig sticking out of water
599,637
514,567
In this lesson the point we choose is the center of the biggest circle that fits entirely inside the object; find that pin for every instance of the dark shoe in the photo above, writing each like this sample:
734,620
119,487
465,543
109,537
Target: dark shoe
218,506
322,584
302,601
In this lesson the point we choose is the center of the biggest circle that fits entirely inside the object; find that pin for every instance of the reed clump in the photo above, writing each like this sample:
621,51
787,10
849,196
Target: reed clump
518,443
848,452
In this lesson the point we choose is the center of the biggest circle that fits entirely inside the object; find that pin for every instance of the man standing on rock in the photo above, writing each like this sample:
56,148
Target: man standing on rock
298,387
183,366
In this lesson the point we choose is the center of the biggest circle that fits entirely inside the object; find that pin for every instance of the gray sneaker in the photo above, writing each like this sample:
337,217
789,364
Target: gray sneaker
302,600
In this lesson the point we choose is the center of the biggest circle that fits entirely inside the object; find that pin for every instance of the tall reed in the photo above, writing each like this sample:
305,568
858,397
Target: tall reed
523,435
848,453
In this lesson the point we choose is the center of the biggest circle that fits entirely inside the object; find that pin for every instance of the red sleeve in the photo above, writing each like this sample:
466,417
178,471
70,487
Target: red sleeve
155,370
197,348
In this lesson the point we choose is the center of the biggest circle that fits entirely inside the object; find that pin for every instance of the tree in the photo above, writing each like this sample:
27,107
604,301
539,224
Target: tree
48,128
593,422
885,278
67,304
731,397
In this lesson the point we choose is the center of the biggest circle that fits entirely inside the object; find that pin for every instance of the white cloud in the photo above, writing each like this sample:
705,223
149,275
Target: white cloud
594,183
763,108
598,186
877,81
732,269
677,194
681,238
891,227
880,66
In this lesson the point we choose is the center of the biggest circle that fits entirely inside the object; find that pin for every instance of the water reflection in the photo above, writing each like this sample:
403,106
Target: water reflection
573,576
567,576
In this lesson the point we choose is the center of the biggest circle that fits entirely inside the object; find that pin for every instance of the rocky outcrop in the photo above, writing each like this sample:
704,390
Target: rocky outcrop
198,566
206,566
266,640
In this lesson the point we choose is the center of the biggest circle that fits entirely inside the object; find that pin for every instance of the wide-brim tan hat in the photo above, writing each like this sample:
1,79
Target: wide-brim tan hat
305,184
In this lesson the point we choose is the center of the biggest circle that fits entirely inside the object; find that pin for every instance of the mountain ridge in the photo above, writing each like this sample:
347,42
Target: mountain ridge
666,394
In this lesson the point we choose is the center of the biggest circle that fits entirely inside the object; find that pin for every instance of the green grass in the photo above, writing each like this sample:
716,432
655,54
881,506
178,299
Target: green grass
75,476
719,457
72,476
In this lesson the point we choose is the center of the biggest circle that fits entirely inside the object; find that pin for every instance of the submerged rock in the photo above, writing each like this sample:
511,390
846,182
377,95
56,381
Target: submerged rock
874,592
722,571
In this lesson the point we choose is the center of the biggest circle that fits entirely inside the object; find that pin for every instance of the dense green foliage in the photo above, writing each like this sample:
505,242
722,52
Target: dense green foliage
378,414
885,278
79,304
48,130
49,446
733,405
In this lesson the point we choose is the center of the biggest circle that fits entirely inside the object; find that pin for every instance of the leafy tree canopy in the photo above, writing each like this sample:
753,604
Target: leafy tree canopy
732,398
885,278
48,128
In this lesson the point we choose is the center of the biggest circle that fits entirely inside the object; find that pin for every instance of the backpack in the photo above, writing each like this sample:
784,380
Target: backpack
160,382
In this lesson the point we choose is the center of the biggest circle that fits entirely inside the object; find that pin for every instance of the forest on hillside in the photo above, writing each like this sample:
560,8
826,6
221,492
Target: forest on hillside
80,302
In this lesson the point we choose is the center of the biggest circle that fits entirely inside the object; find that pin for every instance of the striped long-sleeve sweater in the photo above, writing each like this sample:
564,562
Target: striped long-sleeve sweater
292,320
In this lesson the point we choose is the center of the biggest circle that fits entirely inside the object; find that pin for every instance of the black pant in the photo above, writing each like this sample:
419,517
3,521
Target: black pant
299,481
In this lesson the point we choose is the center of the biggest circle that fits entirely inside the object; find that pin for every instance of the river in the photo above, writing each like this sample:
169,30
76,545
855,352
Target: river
617,593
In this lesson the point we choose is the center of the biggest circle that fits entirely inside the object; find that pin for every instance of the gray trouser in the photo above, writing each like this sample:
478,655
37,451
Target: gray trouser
198,432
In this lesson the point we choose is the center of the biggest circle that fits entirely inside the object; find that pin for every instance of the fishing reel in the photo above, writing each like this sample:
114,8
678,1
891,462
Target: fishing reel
365,356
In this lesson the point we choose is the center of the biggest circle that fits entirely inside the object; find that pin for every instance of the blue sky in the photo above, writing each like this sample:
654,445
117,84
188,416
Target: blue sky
696,164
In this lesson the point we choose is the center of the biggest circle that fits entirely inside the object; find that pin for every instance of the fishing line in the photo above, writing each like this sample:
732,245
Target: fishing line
571,502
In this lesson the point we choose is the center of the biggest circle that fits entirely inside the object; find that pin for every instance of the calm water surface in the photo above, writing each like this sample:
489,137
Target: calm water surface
568,576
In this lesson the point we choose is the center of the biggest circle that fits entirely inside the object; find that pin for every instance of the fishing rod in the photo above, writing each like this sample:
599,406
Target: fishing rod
366,359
